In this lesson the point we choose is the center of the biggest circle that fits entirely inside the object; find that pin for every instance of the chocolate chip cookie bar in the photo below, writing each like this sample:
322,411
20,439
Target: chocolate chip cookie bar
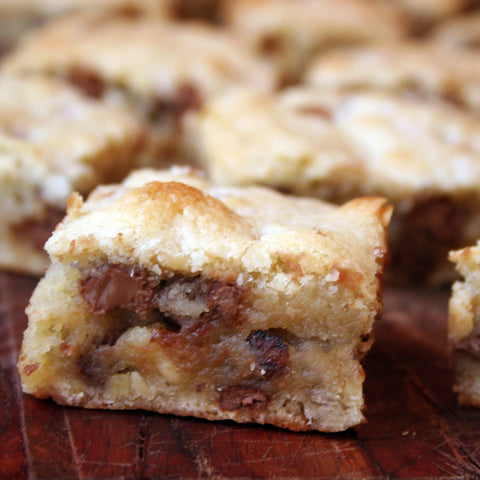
422,69
169,294
289,32
53,141
464,325
422,155
156,68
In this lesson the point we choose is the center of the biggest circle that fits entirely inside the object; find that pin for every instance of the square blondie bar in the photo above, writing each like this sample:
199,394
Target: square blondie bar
422,155
291,32
53,141
156,68
169,294
461,31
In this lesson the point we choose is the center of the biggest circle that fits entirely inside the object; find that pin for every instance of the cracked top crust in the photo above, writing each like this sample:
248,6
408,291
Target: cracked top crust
338,145
180,221
422,68
144,55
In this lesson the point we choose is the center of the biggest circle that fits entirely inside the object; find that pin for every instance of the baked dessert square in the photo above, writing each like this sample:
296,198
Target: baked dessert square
421,155
464,325
156,68
169,294
196,9
290,33
419,68
53,141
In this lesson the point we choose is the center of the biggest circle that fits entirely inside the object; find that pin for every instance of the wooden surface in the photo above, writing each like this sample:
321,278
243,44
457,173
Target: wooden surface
414,430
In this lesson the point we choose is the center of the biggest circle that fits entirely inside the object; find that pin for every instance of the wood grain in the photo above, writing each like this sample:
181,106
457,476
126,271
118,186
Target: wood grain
415,430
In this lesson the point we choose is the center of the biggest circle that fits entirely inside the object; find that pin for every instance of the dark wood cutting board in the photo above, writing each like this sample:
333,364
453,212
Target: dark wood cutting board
415,430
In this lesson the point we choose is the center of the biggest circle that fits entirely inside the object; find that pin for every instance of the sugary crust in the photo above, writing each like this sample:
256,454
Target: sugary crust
54,141
221,228
287,258
464,325
157,57
291,32
426,69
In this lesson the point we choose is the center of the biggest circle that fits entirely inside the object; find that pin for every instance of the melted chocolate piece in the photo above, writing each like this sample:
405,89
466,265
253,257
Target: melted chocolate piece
186,98
271,353
271,44
187,314
87,81
223,303
118,287
92,367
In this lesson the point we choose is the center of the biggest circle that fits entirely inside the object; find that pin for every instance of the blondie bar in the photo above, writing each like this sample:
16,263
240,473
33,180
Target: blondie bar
170,294
158,69
53,141
422,155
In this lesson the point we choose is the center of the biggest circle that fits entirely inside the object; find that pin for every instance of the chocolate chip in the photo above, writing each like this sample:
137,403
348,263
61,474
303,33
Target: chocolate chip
271,353
87,81
92,368
431,228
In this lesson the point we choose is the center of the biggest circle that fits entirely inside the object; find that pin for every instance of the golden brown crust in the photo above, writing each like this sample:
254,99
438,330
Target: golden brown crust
157,55
339,145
